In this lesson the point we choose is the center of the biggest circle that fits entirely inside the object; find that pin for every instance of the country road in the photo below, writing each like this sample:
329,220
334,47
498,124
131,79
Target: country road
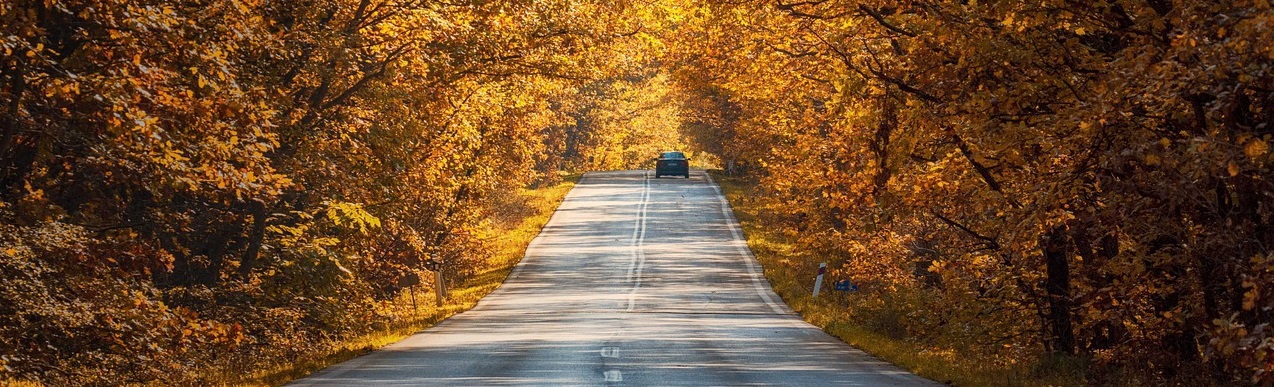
634,281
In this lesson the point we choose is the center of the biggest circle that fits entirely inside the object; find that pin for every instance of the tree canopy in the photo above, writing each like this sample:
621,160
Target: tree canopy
187,184
1017,178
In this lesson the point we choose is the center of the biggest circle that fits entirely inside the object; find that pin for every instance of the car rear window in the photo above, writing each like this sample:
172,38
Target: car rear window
673,155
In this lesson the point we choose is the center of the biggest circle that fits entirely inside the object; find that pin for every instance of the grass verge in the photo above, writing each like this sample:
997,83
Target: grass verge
508,244
791,275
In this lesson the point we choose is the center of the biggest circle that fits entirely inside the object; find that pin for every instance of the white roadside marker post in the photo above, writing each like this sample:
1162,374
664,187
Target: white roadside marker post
440,287
818,282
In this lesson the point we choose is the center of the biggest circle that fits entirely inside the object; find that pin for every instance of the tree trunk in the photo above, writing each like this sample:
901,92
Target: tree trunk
1057,284
255,238
880,144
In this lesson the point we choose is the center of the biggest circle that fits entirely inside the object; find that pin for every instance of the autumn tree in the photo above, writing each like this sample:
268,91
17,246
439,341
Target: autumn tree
191,186
1097,170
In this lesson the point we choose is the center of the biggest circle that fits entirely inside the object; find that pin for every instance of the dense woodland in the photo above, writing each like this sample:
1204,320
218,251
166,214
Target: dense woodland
186,186
1019,180
190,185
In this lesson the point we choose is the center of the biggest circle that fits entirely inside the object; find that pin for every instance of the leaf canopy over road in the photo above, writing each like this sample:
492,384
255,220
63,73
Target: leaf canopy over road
190,186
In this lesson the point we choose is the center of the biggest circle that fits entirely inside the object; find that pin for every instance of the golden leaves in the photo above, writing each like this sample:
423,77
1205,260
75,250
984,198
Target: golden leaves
249,141
351,215
1155,145
1255,148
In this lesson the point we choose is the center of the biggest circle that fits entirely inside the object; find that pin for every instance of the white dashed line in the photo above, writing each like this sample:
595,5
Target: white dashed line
613,376
610,352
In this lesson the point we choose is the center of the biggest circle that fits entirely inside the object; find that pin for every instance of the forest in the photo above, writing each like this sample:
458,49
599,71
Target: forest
189,187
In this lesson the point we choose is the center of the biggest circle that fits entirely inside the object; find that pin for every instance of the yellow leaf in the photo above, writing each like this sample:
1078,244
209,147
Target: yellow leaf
1152,160
12,252
1256,148
1233,169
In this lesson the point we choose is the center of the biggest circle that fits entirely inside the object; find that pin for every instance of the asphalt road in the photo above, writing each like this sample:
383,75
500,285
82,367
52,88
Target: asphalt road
634,281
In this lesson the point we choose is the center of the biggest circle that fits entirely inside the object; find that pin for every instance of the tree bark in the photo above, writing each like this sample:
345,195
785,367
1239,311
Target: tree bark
256,236
880,145
1057,284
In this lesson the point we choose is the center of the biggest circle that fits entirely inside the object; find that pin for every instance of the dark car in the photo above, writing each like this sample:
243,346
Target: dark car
672,164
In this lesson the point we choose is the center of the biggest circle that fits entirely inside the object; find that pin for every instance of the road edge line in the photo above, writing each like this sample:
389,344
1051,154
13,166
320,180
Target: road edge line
535,243
741,245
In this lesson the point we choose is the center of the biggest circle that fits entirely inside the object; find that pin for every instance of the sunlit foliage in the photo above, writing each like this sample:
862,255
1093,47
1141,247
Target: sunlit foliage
1016,180
187,186
191,186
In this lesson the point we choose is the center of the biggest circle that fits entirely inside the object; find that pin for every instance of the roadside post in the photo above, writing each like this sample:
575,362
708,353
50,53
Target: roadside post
440,287
818,282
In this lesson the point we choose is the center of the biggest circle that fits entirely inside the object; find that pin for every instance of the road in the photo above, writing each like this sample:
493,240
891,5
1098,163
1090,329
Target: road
634,281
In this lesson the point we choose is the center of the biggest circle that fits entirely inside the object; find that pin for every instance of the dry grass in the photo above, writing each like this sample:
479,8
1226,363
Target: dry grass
509,243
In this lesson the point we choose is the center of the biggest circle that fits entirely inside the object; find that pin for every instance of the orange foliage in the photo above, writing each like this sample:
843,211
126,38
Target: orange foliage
1088,179
191,186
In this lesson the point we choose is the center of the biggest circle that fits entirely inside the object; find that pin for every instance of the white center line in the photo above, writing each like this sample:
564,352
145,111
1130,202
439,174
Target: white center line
639,236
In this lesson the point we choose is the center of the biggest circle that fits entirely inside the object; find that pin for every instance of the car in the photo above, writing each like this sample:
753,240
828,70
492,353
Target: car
672,163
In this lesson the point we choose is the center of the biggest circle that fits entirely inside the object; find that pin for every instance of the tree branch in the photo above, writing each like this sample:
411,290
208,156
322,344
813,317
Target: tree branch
983,171
989,242
881,20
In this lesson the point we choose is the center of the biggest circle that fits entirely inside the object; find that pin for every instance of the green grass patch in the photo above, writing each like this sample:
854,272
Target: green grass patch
792,273
509,240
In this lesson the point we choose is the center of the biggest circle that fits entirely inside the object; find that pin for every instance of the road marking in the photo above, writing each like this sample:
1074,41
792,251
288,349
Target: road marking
610,352
614,376
334,372
639,239
741,245
533,247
